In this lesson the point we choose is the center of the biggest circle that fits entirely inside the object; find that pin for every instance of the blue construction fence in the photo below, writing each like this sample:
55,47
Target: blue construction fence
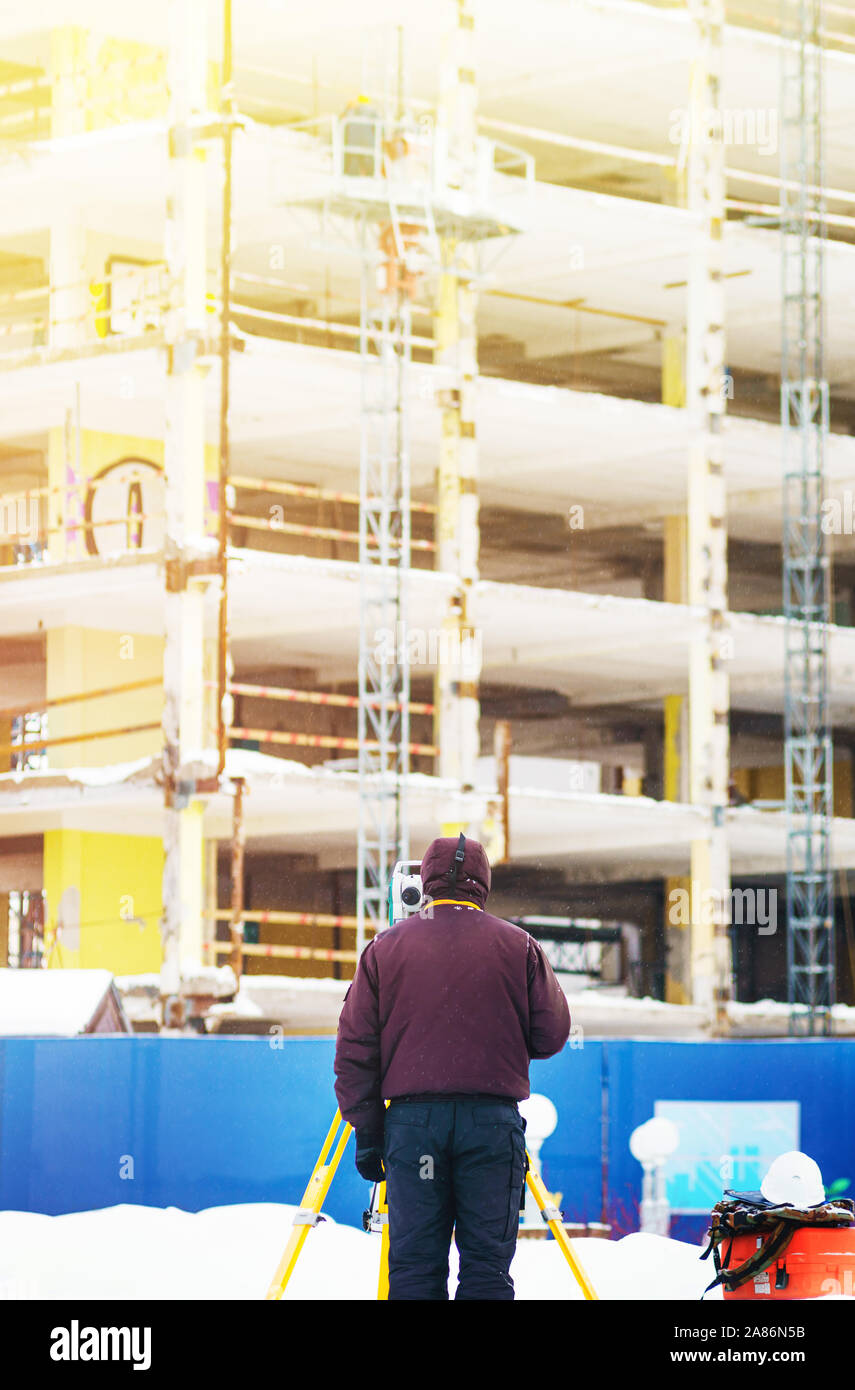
196,1122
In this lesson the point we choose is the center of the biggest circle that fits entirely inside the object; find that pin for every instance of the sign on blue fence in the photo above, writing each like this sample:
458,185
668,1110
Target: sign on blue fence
724,1143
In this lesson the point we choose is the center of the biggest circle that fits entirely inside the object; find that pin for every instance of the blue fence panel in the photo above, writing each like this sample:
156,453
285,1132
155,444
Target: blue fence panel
209,1121
570,1157
206,1122
818,1074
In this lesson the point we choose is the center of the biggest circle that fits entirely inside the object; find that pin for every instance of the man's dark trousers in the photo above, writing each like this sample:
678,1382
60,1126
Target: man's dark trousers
453,1164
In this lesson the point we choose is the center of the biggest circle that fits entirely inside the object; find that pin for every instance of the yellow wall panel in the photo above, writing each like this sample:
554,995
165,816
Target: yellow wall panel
768,784
81,659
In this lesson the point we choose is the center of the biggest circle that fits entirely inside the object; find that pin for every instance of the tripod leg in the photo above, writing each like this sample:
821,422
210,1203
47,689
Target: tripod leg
383,1209
552,1216
308,1213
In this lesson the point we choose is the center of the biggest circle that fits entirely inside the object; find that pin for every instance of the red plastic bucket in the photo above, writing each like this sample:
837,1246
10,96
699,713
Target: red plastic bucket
819,1260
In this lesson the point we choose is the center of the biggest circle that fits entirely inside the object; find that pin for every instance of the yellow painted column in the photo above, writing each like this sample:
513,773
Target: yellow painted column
103,901
5,739
675,590
209,921
678,940
674,370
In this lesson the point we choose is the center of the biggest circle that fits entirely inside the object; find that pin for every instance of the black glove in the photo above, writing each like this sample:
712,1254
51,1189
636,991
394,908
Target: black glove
369,1156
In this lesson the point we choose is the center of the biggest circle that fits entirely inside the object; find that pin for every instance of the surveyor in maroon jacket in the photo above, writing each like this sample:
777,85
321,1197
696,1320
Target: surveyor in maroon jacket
442,1018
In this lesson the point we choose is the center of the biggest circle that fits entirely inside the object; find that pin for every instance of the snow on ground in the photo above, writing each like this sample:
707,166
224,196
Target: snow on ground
130,1252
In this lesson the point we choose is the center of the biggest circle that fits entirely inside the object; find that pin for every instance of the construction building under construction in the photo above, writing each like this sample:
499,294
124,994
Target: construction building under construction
418,419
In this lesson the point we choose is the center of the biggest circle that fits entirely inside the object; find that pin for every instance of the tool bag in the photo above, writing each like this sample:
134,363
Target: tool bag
748,1213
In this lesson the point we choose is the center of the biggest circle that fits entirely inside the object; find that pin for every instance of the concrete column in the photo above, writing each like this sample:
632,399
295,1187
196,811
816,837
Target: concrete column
189,556
709,751
69,293
457,534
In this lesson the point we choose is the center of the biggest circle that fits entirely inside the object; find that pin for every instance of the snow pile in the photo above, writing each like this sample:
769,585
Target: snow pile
130,1252
50,1003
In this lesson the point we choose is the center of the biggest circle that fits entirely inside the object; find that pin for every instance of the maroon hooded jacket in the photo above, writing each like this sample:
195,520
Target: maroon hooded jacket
451,1000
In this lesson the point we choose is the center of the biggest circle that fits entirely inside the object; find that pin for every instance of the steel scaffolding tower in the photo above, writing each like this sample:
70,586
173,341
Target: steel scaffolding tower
384,562
806,568
419,194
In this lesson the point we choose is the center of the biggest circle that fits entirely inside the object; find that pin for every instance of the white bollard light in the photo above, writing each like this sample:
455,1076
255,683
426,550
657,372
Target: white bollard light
540,1117
651,1143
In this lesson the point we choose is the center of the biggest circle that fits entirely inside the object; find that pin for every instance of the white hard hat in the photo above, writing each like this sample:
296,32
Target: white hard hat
793,1179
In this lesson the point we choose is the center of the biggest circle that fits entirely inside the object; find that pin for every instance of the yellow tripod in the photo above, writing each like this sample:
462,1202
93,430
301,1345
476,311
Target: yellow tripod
309,1214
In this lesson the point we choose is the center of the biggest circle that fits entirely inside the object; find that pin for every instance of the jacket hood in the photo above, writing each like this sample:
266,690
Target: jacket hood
473,879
